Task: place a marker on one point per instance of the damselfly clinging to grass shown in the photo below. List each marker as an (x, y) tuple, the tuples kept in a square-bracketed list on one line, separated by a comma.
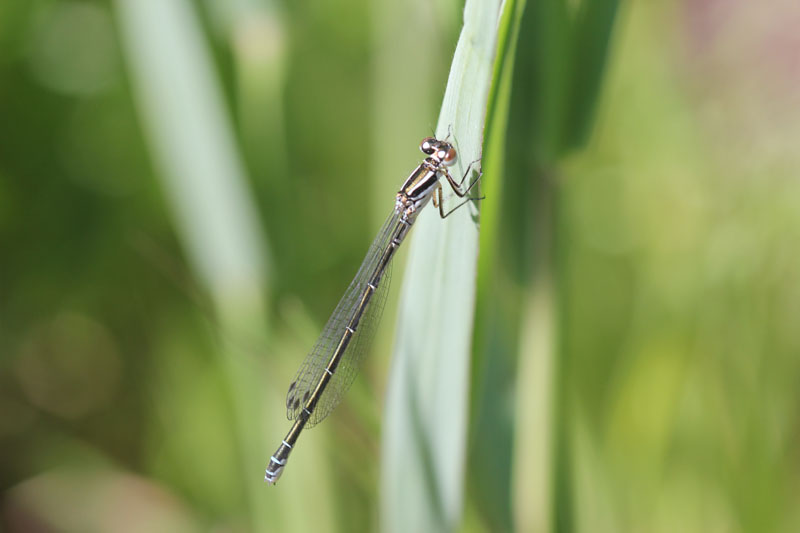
[(330, 368)]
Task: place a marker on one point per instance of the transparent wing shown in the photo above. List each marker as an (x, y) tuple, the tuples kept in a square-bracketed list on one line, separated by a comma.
[(314, 365)]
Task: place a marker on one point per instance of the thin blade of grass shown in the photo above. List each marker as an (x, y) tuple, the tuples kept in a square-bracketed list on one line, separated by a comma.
[(559, 65), (193, 145), (427, 407)]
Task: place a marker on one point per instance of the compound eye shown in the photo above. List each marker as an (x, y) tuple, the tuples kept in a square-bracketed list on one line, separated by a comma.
[(427, 145), (450, 157)]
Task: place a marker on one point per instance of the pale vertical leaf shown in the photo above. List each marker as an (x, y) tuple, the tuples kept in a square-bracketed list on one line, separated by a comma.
[(427, 407), (193, 144), (196, 157)]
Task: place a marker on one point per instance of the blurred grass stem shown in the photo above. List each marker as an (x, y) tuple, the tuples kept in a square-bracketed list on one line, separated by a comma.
[(427, 407), (194, 149)]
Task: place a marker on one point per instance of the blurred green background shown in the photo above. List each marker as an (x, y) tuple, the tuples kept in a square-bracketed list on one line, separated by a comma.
[(186, 189)]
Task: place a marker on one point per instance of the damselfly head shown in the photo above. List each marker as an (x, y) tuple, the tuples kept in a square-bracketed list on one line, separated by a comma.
[(428, 145), (448, 155), (440, 150)]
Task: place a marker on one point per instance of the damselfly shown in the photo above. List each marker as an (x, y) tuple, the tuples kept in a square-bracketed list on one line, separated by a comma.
[(331, 367)]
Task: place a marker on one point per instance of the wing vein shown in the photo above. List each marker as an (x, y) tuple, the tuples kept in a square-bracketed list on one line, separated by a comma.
[(317, 360)]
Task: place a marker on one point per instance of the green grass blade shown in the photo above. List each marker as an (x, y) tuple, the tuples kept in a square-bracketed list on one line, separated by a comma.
[(191, 138), (494, 360), (424, 444), (591, 41), (193, 144), (559, 65)]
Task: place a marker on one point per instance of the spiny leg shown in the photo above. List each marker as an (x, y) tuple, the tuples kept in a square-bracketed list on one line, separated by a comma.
[(442, 214), (469, 169), (457, 186), (437, 191), (445, 215), (438, 200)]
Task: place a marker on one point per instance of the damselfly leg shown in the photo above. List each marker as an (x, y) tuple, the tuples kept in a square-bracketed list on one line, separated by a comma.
[(438, 196)]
